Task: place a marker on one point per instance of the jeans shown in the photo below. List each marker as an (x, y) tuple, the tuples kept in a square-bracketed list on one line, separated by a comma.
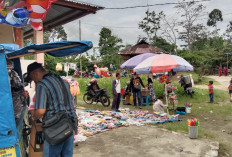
[(64, 149), (138, 94), (211, 96)]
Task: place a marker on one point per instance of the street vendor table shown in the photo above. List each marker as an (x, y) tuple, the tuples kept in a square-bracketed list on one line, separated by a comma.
[(34, 151), (146, 100)]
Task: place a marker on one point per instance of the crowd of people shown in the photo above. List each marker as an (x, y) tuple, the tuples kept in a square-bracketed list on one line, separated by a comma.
[(135, 86), (222, 70), (54, 97)]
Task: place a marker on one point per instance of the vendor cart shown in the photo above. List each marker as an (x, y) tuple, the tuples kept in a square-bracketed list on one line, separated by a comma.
[(11, 135)]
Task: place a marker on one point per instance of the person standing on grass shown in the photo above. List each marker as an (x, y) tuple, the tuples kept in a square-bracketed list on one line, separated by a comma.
[(230, 90), (225, 70), (211, 91), (116, 88), (220, 71), (136, 83)]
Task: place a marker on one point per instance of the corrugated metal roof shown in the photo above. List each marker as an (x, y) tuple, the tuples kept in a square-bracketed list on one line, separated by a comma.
[(84, 3), (62, 12)]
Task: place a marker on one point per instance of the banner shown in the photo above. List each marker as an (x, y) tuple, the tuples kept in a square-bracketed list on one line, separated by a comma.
[(58, 67), (66, 67)]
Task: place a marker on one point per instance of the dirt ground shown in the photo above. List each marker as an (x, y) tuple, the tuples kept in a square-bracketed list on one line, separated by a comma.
[(223, 80), (149, 141), (144, 141)]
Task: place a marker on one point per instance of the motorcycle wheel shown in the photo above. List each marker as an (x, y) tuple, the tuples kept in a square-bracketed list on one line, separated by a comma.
[(88, 99), (105, 101), (191, 94)]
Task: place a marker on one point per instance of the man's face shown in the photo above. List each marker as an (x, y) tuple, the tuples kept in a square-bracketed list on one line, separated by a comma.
[(119, 76), (35, 76)]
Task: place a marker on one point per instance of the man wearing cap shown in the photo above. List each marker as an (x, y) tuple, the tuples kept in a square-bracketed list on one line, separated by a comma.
[(49, 94)]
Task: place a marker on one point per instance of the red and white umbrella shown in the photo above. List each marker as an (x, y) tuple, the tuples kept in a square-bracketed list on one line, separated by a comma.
[(163, 63)]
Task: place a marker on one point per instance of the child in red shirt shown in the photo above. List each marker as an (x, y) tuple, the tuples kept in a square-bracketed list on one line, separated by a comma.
[(230, 90), (211, 91)]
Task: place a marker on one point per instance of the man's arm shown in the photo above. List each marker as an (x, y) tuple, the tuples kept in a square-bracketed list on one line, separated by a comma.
[(39, 113), (141, 82), (113, 87), (40, 101)]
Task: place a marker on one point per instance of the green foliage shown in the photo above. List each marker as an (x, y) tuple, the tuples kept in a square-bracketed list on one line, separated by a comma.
[(205, 61), (205, 43), (214, 17), (112, 59), (108, 43), (85, 63), (57, 32), (151, 24), (163, 44)]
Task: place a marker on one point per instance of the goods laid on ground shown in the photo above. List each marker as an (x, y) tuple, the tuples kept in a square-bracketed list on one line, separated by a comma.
[(92, 122)]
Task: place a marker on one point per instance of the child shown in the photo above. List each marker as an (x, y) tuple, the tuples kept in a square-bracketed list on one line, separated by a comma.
[(211, 91), (230, 90), (158, 106), (152, 92)]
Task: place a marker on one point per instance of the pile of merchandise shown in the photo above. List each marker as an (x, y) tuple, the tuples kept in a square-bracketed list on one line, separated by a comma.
[(92, 122)]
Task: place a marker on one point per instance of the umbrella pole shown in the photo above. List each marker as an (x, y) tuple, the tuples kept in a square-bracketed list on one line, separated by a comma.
[(166, 96)]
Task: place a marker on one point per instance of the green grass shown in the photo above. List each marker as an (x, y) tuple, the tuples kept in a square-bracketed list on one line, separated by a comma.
[(202, 110), (201, 80)]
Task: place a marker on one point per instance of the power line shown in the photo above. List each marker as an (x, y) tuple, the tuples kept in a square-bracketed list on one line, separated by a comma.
[(110, 26), (133, 27), (150, 5)]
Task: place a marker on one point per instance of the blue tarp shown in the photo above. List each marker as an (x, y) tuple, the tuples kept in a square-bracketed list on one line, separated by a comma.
[(8, 132), (82, 47), (7, 120)]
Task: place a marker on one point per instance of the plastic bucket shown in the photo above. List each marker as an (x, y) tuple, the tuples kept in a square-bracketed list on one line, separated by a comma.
[(193, 131), (188, 109)]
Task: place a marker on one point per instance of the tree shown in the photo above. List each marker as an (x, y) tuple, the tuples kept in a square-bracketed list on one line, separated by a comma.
[(56, 33), (228, 33), (108, 43), (214, 16), (164, 45), (169, 31), (190, 12), (151, 24)]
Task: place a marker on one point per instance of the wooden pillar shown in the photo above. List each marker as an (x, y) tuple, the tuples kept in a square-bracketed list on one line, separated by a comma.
[(38, 39), (18, 36)]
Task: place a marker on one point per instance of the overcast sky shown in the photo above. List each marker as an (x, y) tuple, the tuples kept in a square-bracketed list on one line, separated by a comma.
[(116, 19)]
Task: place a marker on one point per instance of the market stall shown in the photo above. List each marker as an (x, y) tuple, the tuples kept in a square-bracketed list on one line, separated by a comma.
[(11, 127), (164, 63)]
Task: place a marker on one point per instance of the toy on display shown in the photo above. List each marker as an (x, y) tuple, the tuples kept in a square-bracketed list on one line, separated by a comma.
[(16, 15), (188, 105), (38, 11), (164, 78), (100, 72)]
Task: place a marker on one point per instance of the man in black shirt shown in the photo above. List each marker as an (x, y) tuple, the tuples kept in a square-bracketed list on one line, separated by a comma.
[(135, 84)]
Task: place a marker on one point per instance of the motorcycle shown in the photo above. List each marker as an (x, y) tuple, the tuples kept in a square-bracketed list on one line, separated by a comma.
[(185, 82), (100, 95)]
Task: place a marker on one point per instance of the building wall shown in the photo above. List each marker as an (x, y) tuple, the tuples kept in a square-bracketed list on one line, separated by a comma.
[(6, 34)]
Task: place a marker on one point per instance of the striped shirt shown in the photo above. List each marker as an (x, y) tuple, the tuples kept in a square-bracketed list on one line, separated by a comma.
[(50, 96)]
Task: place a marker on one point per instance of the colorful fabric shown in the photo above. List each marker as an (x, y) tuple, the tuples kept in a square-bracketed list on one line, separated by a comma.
[(92, 122)]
